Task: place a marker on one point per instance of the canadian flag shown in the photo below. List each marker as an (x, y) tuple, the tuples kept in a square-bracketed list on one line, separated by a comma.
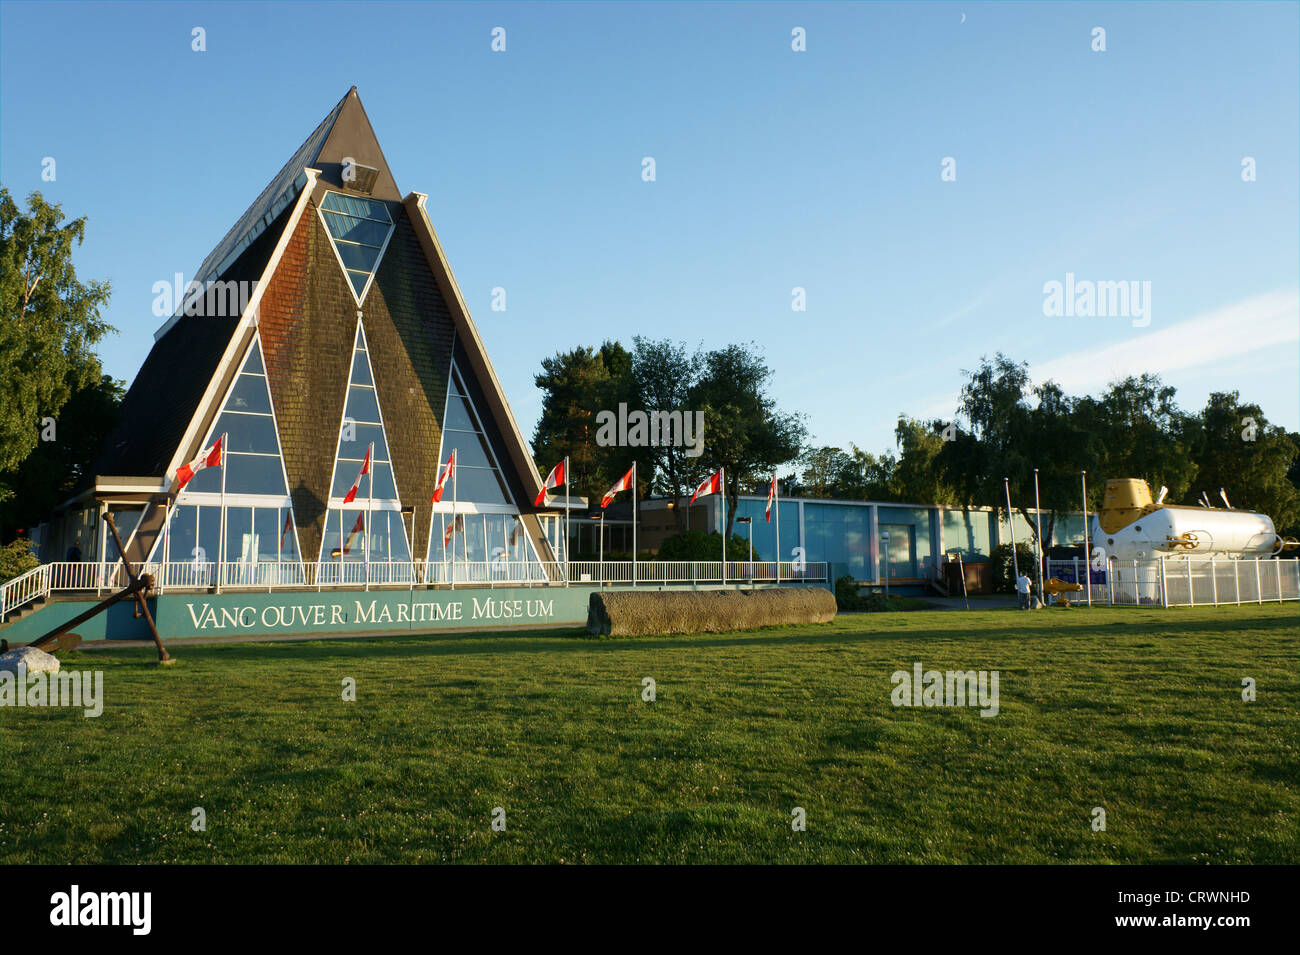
[(554, 479), (208, 458), (623, 484), (771, 495), (457, 525), (710, 485), (357, 528), (365, 469), (443, 476)]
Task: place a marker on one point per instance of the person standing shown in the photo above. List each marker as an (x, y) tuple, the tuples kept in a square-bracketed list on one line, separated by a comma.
[(1022, 591), (74, 552)]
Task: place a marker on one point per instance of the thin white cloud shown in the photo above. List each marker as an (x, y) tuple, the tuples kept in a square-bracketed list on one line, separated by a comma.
[(1255, 324)]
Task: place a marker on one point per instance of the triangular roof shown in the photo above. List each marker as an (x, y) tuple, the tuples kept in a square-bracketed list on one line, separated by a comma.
[(179, 387), (344, 134)]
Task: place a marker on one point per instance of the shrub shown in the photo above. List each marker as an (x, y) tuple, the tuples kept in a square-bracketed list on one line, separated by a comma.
[(16, 558), (1004, 578), (697, 545), (645, 613), (846, 593)]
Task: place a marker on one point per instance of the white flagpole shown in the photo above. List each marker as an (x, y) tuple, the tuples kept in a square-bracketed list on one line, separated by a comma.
[(776, 506), (1011, 523), (428, 544), (634, 509), (566, 520), (221, 544), (454, 469), (370, 497), (1038, 522), (722, 484), (1087, 546)]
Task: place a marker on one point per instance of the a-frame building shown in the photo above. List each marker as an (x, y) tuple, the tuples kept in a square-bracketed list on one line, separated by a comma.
[(348, 332)]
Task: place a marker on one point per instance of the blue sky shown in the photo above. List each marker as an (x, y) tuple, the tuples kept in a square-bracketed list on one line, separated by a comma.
[(775, 169)]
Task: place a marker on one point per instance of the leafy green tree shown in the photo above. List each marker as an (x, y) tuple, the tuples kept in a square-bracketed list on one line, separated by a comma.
[(823, 469), (662, 374), (744, 431), (51, 322), (1135, 429), (918, 476), (1235, 449), (57, 468), (576, 385), (866, 477), (1015, 429)]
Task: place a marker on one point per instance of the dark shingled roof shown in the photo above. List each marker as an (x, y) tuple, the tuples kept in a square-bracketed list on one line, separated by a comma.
[(170, 384), (188, 349)]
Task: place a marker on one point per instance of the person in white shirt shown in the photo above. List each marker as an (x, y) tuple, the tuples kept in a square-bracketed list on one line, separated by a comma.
[(1022, 591)]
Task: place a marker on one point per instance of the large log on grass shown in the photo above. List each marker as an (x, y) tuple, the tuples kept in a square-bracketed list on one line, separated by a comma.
[(614, 613)]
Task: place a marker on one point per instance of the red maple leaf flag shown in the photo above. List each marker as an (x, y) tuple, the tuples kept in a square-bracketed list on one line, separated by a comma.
[(208, 458), (710, 485), (365, 469), (771, 495), (457, 525), (554, 479), (442, 477), (623, 484), (357, 528)]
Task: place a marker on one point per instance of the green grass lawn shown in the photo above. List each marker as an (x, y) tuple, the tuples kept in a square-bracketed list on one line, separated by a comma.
[(1137, 711)]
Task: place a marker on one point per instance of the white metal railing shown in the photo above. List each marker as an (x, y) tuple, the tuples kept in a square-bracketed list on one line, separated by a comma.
[(1184, 581), (23, 589), (86, 576)]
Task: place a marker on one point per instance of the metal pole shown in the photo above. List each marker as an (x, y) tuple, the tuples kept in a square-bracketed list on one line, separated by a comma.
[(370, 496), (722, 481), (566, 520), (776, 505), (602, 548), (961, 569), (428, 544), (221, 525), (1087, 540), (1011, 524), (452, 574), (885, 537), (633, 524), (1038, 534)]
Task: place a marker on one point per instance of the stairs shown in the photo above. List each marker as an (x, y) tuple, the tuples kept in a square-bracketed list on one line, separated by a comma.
[(26, 610)]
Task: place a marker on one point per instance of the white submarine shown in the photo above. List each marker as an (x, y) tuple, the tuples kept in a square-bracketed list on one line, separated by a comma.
[(1132, 526)]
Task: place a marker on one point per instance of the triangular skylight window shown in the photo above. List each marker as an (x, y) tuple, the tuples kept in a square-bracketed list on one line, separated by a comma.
[(259, 522), (478, 475), (360, 228), (253, 463), (490, 542), (376, 502)]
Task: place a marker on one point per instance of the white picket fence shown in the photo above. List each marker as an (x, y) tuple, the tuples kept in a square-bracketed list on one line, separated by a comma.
[(103, 578), (1182, 581)]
